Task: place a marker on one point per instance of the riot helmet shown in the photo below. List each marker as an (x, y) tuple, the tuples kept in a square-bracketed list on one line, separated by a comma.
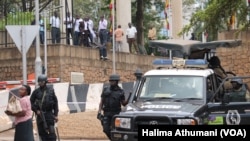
[(214, 62), (114, 77), (237, 83), (42, 78), (237, 80)]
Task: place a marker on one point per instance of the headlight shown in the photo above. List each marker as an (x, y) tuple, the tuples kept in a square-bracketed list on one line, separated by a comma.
[(123, 123), (186, 122), (129, 108)]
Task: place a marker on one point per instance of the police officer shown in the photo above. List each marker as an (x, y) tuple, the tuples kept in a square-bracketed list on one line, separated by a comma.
[(240, 92), (215, 64), (112, 98), (45, 105)]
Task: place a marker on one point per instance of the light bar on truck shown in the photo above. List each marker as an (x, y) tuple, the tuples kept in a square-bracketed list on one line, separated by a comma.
[(180, 63)]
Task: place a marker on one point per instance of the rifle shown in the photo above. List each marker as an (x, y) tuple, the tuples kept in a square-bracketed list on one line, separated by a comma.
[(45, 125), (130, 93)]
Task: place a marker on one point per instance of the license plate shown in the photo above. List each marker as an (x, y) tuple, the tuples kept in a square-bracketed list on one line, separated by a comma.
[(117, 135)]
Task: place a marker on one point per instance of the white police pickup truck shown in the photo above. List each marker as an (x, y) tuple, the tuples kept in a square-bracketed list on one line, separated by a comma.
[(178, 92)]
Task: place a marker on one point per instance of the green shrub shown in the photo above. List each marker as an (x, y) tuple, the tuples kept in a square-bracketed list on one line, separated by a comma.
[(18, 18)]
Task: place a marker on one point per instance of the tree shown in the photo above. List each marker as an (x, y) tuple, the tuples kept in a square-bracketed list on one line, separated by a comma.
[(217, 16), (139, 23), (8, 5), (143, 16), (188, 2)]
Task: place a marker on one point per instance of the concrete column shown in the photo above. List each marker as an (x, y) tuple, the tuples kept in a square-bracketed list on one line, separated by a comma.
[(123, 17), (176, 24)]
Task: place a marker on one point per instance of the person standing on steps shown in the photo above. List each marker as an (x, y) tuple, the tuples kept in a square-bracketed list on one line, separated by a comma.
[(103, 35), (131, 34), (118, 38), (55, 28), (69, 31)]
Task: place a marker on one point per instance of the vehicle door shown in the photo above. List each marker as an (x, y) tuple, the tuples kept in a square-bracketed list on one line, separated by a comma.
[(224, 112)]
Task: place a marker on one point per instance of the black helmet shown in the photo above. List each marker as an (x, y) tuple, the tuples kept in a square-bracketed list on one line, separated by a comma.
[(42, 77), (114, 77), (237, 80), (214, 61)]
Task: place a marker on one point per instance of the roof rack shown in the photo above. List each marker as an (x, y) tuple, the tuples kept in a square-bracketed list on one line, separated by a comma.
[(180, 63)]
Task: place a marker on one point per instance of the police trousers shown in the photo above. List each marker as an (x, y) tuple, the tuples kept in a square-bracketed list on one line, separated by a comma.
[(43, 133), (106, 122)]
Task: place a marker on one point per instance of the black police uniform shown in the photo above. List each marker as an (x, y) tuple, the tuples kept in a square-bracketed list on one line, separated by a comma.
[(47, 104), (112, 98)]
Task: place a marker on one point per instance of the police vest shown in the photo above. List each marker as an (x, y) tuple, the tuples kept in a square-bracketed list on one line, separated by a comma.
[(238, 96), (47, 102), (112, 99)]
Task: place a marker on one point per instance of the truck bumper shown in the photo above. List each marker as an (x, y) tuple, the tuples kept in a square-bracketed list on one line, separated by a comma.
[(124, 136)]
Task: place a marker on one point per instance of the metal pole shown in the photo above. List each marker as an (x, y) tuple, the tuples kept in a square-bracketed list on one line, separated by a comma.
[(38, 61), (113, 36), (203, 36), (23, 47), (66, 18), (45, 44), (170, 54), (170, 19), (45, 38), (248, 10)]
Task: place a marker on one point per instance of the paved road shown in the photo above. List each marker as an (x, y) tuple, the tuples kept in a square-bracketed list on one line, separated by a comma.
[(8, 136)]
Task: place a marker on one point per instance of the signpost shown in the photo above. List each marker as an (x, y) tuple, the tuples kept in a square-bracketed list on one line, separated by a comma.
[(23, 36), (38, 61)]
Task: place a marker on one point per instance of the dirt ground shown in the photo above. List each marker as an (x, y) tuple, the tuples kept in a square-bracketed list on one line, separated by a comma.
[(83, 125), (75, 126)]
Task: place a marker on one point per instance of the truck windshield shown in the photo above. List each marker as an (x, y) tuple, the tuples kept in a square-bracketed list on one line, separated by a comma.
[(172, 87)]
